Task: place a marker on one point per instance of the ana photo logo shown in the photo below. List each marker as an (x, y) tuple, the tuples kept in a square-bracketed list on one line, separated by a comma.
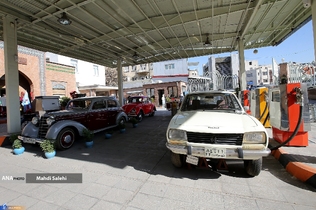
[(12, 178), (6, 207)]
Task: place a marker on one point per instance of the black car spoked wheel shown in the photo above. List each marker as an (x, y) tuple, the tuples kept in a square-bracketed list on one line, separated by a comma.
[(65, 138), (121, 121)]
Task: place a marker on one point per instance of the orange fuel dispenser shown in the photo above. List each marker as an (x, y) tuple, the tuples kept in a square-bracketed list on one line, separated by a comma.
[(286, 101), (245, 100)]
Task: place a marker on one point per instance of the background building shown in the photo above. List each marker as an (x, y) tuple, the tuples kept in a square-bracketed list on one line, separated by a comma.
[(173, 70), (89, 77), (223, 71), (166, 78), (37, 76)]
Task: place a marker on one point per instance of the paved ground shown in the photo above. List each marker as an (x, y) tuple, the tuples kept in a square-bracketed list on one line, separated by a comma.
[(133, 171)]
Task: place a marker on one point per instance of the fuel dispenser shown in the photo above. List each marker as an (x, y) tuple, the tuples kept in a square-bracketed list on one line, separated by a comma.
[(259, 105), (245, 100), (288, 115)]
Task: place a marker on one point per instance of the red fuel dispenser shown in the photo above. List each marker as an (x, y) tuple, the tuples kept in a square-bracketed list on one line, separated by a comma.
[(245, 100), (287, 114)]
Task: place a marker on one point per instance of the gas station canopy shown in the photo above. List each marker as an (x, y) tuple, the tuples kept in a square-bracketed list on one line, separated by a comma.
[(145, 31)]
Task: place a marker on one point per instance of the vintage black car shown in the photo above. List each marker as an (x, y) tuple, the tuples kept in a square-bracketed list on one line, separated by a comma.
[(65, 126)]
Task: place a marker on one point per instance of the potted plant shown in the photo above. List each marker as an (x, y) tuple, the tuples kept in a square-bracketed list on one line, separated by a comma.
[(88, 137), (108, 134), (48, 147), (17, 147), (64, 101), (134, 121)]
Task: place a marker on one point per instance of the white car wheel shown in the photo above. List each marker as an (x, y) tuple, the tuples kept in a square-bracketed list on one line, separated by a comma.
[(253, 167), (177, 160)]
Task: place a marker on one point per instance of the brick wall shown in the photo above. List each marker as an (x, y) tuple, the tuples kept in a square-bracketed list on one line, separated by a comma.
[(60, 75), (29, 68)]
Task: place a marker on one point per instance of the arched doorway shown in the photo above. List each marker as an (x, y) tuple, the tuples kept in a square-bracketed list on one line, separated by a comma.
[(24, 82)]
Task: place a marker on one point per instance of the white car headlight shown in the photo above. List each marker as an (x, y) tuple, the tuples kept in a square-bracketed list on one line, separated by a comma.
[(50, 120), (254, 138), (175, 134), (35, 120)]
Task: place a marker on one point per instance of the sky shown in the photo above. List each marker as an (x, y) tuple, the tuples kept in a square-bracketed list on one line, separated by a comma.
[(299, 47)]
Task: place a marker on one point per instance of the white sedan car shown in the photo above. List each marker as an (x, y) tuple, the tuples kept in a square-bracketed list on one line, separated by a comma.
[(213, 125)]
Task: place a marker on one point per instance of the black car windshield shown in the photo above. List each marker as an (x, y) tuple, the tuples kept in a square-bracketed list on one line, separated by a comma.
[(210, 101), (79, 104), (135, 100)]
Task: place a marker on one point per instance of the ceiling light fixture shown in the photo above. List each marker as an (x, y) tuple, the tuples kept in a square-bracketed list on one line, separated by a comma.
[(64, 20), (135, 56), (207, 42)]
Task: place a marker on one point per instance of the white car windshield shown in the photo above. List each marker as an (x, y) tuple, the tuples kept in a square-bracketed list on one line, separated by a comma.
[(210, 101)]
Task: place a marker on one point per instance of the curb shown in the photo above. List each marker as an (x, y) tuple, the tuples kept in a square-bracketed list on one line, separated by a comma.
[(301, 171), (4, 141)]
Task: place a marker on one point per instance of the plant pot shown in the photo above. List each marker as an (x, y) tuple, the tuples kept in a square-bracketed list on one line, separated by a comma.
[(108, 135), (122, 130), (135, 125), (50, 155), (89, 144), (19, 151)]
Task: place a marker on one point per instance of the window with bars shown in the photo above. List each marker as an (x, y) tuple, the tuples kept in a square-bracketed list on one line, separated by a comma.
[(173, 91), (96, 70), (169, 66), (150, 92)]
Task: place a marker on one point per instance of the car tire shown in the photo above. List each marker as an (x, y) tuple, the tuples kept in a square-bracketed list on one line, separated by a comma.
[(140, 116), (152, 113), (65, 139), (121, 121), (177, 160), (253, 167)]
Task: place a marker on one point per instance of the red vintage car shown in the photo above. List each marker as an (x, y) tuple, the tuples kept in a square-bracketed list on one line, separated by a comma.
[(138, 107)]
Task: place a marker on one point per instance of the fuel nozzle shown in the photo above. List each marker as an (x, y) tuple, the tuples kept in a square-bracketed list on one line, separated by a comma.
[(266, 96), (299, 95)]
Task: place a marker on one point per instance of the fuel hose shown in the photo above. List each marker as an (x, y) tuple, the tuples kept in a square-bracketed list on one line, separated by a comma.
[(294, 133), (264, 111)]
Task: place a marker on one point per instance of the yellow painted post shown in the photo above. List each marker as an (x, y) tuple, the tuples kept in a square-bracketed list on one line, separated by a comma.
[(264, 107)]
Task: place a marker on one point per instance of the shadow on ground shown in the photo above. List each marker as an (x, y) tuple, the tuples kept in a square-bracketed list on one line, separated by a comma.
[(143, 148)]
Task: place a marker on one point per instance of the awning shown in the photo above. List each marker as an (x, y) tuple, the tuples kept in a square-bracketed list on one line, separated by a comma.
[(135, 91)]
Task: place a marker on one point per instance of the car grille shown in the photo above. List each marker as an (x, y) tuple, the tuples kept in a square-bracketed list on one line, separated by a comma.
[(43, 127), (211, 138)]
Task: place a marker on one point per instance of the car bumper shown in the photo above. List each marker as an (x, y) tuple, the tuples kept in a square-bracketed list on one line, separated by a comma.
[(231, 153), (132, 115), (30, 140)]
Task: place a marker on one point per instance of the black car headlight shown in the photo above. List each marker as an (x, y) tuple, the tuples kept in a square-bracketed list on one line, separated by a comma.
[(35, 120), (50, 120)]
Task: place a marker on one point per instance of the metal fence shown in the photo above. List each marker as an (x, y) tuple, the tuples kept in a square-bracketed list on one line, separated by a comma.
[(312, 111), (304, 73), (207, 83)]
